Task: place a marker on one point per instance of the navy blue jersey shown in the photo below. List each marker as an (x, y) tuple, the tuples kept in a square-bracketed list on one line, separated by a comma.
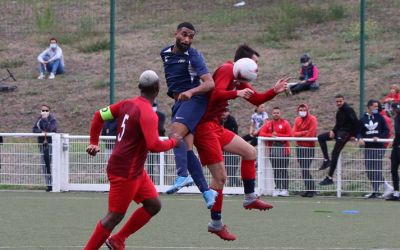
[(182, 71)]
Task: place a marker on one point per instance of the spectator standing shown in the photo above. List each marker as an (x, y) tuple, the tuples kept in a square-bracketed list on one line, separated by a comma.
[(279, 150), (308, 76), (373, 126), (346, 126), (305, 125), (109, 129), (258, 119), (231, 161), (395, 155), (51, 60), (46, 123)]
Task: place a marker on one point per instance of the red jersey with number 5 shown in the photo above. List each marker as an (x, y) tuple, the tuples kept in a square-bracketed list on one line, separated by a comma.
[(137, 133)]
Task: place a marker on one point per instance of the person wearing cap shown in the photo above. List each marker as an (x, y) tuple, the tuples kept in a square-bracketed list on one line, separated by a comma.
[(137, 134), (45, 123), (308, 76), (188, 81), (305, 125)]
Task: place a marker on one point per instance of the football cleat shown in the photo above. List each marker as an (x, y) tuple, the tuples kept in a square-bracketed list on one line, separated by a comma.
[(256, 204)]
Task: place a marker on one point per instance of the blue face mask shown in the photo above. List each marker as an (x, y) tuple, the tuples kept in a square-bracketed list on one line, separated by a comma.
[(374, 111)]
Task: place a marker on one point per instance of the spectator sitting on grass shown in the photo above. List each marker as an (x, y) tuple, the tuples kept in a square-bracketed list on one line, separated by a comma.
[(51, 60)]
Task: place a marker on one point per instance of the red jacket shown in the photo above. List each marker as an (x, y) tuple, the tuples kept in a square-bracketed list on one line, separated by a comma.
[(389, 125), (281, 128), (305, 127)]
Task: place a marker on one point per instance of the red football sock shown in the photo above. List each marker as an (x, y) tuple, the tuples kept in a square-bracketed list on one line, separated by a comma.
[(137, 220), (248, 169), (217, 207), (99, 236)]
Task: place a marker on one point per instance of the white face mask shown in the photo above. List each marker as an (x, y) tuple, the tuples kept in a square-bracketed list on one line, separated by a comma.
[(53, 46), (45, 114), (302, 113), (154, 109)]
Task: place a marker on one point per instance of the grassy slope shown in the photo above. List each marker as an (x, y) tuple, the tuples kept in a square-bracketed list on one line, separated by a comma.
[(144, 27)]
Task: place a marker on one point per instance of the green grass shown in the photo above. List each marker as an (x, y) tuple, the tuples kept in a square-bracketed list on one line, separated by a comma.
[(39, 220), (95, 46)]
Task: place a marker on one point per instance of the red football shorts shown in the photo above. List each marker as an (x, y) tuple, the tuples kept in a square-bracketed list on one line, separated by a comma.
[(209, 139), (123, 191)]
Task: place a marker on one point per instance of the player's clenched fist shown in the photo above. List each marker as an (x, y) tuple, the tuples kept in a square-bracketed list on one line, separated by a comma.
[(92, 149)]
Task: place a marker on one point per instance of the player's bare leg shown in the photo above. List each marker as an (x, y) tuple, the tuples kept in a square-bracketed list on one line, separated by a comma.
[(138, 219), (248, 170)]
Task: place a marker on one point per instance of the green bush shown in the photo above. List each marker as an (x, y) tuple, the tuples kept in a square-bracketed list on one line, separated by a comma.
[(45, 21)]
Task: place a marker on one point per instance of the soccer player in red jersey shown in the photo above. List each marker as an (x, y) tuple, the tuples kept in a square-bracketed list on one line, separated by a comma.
[(137, 134), (211, 139)]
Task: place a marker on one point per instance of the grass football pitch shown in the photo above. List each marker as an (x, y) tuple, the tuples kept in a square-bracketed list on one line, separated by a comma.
[(39, 220)]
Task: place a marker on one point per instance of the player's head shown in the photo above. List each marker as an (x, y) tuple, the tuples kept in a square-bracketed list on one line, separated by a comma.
[(245, 51), (305, 59), (149, 84), (184, 36), (373, 106), (339, 99), (276, 113)]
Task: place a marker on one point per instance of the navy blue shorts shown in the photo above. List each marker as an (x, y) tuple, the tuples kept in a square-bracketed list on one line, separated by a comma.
[(190, 112)]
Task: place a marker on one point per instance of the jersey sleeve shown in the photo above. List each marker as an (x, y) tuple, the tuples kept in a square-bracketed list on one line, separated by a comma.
[(105, 114), (258, 98), (198, 63), (149, 124), (315, 75)]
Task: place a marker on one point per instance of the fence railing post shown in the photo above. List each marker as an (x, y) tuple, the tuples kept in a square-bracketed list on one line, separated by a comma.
[(261, 167), (162, 168), (56, 162), (65, 162), (339, 177)]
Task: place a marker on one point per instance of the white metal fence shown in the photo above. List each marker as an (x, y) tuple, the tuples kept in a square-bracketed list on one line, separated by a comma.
[(74, 170)]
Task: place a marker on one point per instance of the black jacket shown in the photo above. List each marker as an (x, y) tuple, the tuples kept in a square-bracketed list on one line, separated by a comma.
[(230, 124), (48, 125), (373, 126), (346, 120)]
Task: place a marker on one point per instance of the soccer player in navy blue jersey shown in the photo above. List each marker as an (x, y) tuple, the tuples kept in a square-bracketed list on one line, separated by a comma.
[(188, 81)]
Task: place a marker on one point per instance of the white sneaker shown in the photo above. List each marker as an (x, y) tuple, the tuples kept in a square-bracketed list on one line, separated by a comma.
[(41, 76), (388, 189), (276, 193), (52, 76), (284, 193)]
